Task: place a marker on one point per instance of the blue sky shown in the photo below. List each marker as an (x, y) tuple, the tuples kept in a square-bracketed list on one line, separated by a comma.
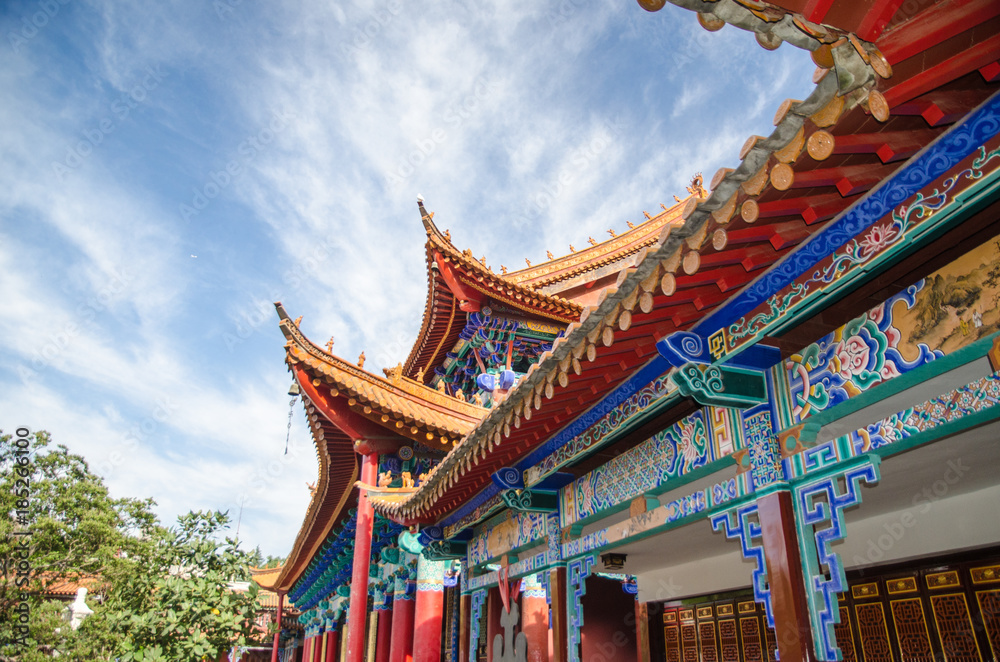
[(169, 169)]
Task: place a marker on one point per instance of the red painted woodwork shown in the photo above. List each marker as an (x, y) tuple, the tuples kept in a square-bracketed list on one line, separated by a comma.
[(877, 18), (608, 632), (367, 435), (848, 179), (890, 146), (493, 606), (946, 71), (469, 300), (535, 626), (277, 632), (784, 576), (317, 652), (383, 635), (991, 72), (942, 106), (642, 632), (357, 613), (332, 644), (935, 25), (560, 641), (815, 10), (401, 646), (465, 613), (427, 618)]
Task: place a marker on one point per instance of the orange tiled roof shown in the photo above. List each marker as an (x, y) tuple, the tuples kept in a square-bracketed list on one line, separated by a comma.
[(397, 403)]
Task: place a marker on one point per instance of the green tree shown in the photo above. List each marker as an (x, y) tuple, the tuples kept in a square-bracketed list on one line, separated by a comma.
[(74, 529), (160, 594), (176, 599)]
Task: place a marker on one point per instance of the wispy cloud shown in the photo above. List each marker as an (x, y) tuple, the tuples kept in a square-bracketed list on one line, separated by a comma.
[(153, 210)]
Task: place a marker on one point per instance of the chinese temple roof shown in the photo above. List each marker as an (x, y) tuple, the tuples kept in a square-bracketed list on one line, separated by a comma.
[(874, 106), (400, 406)]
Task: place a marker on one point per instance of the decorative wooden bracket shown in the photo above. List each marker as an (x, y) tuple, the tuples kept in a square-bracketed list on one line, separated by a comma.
[(519, 498), (446, 550), (722, 385), (531, 501)]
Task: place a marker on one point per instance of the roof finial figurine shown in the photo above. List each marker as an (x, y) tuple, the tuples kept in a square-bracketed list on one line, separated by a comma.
[(420, 375), (663, 207), (447, 234), (697, 187), (571, 249), (646, 214), (459, 395), (329, 345), (527, 261), (548, 254), (612, 232), (591, 241), (631, 225), (441, 386), (361, 360), (312, 488), (482, 260), (298, 320), (676, 199), (503, 269)]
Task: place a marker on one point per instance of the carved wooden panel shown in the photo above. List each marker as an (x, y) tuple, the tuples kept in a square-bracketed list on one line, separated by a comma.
[(911, 630), (874, 634), (954, 626)]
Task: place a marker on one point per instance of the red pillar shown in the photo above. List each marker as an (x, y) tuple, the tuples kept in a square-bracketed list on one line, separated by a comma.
[(535, 620), (357, 613), (494, 604), (465, 609), (318, 651), (277, 633), (429, 611), (383, 635), (401, 646), (560, 633), (332, 643), (642, 632), (785, 578)]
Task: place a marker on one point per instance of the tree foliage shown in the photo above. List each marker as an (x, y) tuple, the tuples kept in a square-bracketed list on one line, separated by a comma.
[(157, 593)]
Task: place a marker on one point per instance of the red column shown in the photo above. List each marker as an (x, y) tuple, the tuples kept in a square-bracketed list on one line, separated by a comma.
[(383, 635), (535, 620), (785, 578), (357, 613), (642, 632), (318, 651), (465, 608), (277, 633), (429, 611), (332, 643), (494, 603), (401, 646), (560, 633)]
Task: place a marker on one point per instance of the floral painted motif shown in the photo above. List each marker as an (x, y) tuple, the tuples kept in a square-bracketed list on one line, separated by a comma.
[(864, 352), (673, 452)]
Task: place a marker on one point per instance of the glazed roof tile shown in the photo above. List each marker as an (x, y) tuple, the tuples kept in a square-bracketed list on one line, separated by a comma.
[(398, 397)]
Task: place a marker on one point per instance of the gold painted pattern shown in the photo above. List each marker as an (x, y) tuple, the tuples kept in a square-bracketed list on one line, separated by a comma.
[(911, 630), (986, 574), (901, 585), (954, 626), (942, 579), (865, 590)]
